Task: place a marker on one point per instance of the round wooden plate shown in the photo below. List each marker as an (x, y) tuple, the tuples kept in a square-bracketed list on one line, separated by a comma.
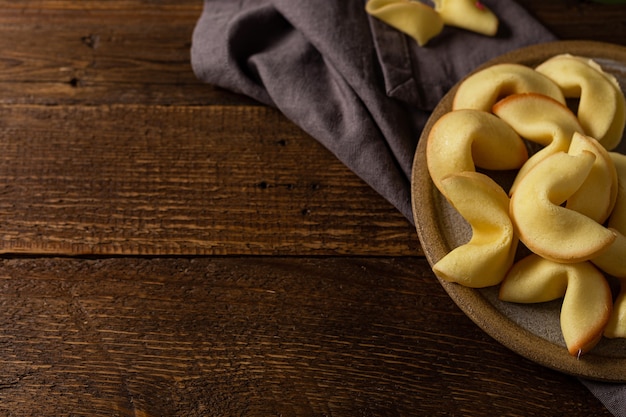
[(531, 330)]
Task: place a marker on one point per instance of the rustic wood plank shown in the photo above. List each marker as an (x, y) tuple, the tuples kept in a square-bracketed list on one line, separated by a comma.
[(86, 53), (580, 19), (83, 80), (182, 180), (65, 92), (56, 52), (70, 46), (256, 336), (144, 6)]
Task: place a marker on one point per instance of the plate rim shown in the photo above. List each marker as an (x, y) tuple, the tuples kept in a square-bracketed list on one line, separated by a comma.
[(471, 301)]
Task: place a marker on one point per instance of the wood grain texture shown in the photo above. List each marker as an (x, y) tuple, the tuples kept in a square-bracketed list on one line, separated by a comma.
[(255, 337), (92, 93), (233, 266), (182, 180), (580, 19), (56, 52)]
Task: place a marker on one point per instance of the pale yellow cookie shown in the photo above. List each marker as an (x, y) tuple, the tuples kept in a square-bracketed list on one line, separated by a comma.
[(548, 229), (468, 14), (587, 300), (484, 88), (418, 20), (616, 327), (461, 140), (602, 108), (613, 259), (618, 216), (597, 195), (484, 260), (541, 120)]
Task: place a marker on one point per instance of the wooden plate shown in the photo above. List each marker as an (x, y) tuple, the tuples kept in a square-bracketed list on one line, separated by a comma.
[(531, 330)]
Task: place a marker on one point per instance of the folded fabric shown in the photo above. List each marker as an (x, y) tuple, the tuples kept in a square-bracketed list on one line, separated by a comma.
[(613, 396), (360, 87)]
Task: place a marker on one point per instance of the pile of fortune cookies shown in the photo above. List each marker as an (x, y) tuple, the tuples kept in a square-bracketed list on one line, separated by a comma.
[(559, 231)]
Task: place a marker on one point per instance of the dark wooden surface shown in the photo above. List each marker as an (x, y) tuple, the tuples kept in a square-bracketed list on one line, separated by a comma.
[(172, 249)]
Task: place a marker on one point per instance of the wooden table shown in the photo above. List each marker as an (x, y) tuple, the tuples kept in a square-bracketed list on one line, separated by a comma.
[(172, 249)]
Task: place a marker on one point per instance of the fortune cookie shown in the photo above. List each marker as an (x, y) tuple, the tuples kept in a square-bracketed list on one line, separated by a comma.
[(601, 109), (465, 139), (541, 120), (485, 259), (484, 88), (418, 20), (597, 195), (543, 225), (613, 260), (468, 14), (616, 327), (587, 300), (617, 219)]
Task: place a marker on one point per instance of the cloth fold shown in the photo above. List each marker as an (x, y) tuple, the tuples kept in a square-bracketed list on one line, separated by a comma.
[(359, 87), (612, 396), (315, 62)]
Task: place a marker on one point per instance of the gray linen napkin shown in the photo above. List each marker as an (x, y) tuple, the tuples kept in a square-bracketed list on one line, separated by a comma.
[(613, 396), (361, 88)]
